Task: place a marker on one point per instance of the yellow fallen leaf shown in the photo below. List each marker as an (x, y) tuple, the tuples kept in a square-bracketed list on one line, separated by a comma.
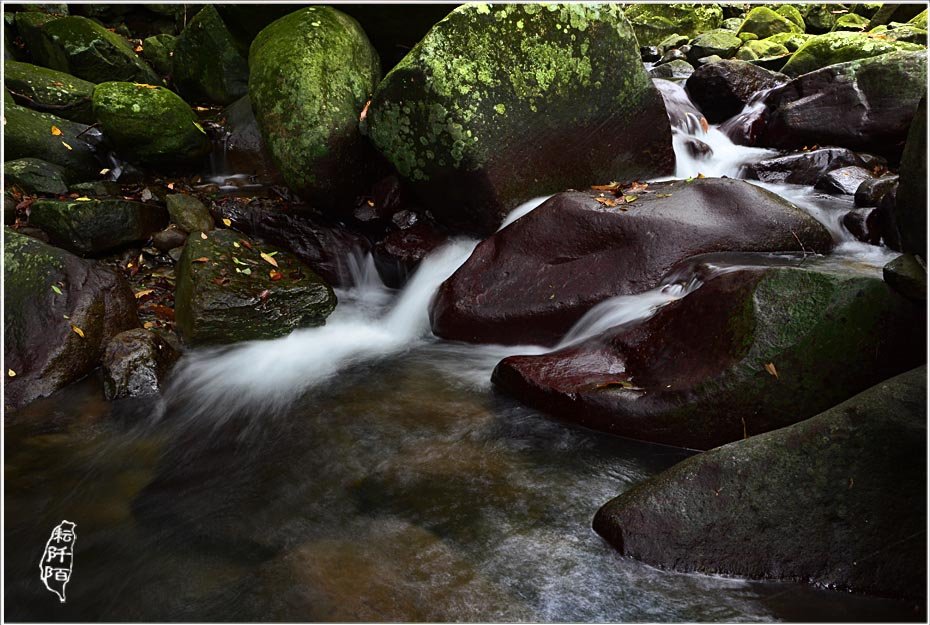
[(770, 367), (148, 324), (66, 145), (56, 130), (236, 244), (203, 235), (202, 259), (144, 292), (228, 223), (268, 259), (77, 330), (144, 85), (82, 199), (104, 171), (11, 373)]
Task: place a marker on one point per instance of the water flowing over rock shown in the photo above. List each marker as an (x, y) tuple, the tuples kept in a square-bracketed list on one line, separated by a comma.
[(499, 104), (207, 64), (750, 351), (532, 280), (48, 293), (837, 500), (47, 90), (723, 89), (311, 74)]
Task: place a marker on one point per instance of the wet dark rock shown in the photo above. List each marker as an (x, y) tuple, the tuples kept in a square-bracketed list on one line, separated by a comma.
[(907, 274), (404, 219), (27, 133), (750, 351), (324, 248), (865, 224), (864, 105), (40, 345), (698, 149), (219, 300), (649, 54), (531, 281), (97, 188), (804, 167), (207, 64), (399, 253), (96, 226), (910, 210), (36, 176), (678, 69), (844, 181), (837, 500), (500, 135), (170, 238), (135, 364), (47, 90), (721, 90), (841, 47), (158, 50), (871, 191), (189, 213), (745, 128), (243, 149), (671, 42), (675, 54), (895, 13)]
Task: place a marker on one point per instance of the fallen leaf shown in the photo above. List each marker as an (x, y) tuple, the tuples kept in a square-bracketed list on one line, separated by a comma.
[(637, 187), (66, 145), (148, 324), (663, 195), (137, 49), (236, 244), (228, 224), (200, 128), (203, 235), (171, 186), (268, 259), (82, 199), (629, 199), (144, 292), (56, 130), (104, 171), (245, 244), (220, 281), (704, 125), (770, 367), (364, 113), (700, 175), (77, 330), (245, 272), (143, 85), (620, 383), (275, 275), (162, 311), (56, 289), (11, 373), (202, 259), (606, 201), (613, 186), (264, 295)]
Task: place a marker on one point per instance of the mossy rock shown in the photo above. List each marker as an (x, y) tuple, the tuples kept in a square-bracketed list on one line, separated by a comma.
[(672, 41), (792, 41), (499, 104), (158, 50), (207, 64), (828, 501), (51, 91), (748, 37), (910, 211), (90, 226), (149, 125), (851, 21), (818, 18), (920, 20), (226, 292), (791, 13), (719, 42), (311, 73), (36, 176), (97, 188), (188, 213), (676, 70), (29, 133), (901, 32), (653, 22), (732, 23), (761, 49), (29, 26), (48, 292), (83, 48), (765, 22), (840, 47)]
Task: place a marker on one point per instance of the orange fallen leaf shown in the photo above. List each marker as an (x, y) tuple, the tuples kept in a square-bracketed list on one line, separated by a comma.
[(613, 186), (268, 259), (202, 259), (770, 367), (606, 201), (275, 275), (144, 292), (637, 187), (148, 324), (77, 330), (56, 130), (704, 125), (171, 186), (364, 113)]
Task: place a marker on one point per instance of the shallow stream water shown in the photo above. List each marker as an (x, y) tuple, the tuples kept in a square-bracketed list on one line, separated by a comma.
[(365, 470)]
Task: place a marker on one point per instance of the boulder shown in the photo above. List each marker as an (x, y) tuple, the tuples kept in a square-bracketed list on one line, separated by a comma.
[(189, 213), (498, 104), (721, 90), (897, 13), (244, 149), (158, 51), (29, 28), (36, 176), (765, 22), (838, 501), (803, 167), (719, 42), (676, 70), (85, 49), (791, 12), (207, 65), (228, 292), (87, 226), (818, 18), (149, 125), (170, 238), (46, 90), (399, 253), (394, 33), (135, 364), (871, 191), (865, 224), (764, 52), (907, 274), (901, 32), (311, 74), (844, 181), (841, 47), (750, 351), (919, 20), (865, 105), (531, 281), (671, 42), (30, 134), (654, 22), (852, 22), (60, 312), (910, 210)]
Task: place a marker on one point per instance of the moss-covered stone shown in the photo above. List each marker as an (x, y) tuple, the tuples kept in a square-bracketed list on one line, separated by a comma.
[(207, 64), (900, 32), (501, 103), (48, 292), (719, 42), (84, 48), (910, 211), (158, 50), (95, 226), (36, 176), (792, 41), (97, 188), (676, 70), (765, 22), (907, 274), (233, 296), (840, 47), (29, 26), (920, 20), (818, 18), (851, 21), (791, 13), (761, 49), (149, 125), (732, 23), (836, 500), (311, 73), (48, 90), (654, 22), (189, 213), (672, 41), (29, 133)]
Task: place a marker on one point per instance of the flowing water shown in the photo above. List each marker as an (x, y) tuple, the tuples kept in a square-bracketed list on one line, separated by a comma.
[(366, 470)]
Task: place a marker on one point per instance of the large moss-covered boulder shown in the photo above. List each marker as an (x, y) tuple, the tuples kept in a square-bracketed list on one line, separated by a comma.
[(47, 90), (851, 21), (750, 351), (792, 41), (499, 104), (919, 20), (158, 50), (838, 500), (654, 22), (720, 42), (83, 48), (228, 291), (87, 226), (36, 176), (910, 211), (31, 134), (761, 49), (765, 22), (207, 65), (311, 73), (149, 125), (60, 311), (901, 32), (840, 47)]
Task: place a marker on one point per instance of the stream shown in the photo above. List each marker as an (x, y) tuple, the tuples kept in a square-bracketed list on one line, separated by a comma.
[(366, 470)]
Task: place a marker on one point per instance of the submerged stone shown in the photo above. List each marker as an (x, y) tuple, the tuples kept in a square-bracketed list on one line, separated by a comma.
[(47, 90), (207, 65)]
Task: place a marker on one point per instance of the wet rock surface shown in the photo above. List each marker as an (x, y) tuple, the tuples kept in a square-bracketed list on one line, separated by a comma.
[(845, 180), (803, 167), (723, 89), (136, 363)]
